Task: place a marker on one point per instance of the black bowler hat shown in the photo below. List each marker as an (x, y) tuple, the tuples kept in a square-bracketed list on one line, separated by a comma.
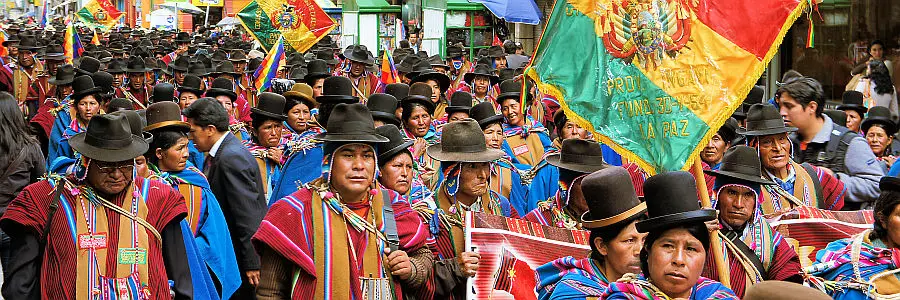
[(496, 52), (397, 142), (671, 199), (485, 114), (55, 52), (108, 138), (136, 123), (65, 74), (382, 107), (270, 105), (182, 38), (337, 89), (853, 100), (117, 104), (221, 87), (104, 80), (316, 69), (165, 114), (328, 56), (421, 67), (419, 93), (29, 43), (191, 84), (611, 198), (238, 56), (408, 64), (742, 163), (360, 54), (578, 155), (442, 79), (295, 59), (454, 51), (163, 91), (879, 115), (764, 119), (889, 183), (87, 66), (116, 66), (136, 65), (459, 102), (398, 90), (297, 74), (180, 64), (225, 67), (350, 123), (511, 89), (83, 86), (463, 141), (198, 69), (481, 70)]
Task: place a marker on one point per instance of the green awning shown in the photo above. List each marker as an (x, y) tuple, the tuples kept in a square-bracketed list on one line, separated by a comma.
[(463, 5), (370, 6)]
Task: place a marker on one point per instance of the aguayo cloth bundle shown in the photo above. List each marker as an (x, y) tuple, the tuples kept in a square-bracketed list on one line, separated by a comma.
[(810, 229)]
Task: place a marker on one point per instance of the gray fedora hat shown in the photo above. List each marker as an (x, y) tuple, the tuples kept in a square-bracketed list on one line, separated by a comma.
[(463, 141)]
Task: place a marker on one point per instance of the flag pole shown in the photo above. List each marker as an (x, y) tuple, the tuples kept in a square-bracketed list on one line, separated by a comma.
[(716, 245)]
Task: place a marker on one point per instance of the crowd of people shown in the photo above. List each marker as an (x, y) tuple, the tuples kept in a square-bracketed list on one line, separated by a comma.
[(151, 167)]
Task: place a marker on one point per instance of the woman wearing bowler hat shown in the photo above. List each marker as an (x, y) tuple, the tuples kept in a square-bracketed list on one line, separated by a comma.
[(85, 106), (397, 169), (879, 130), (267, 127), (676, 246), (299, 107)]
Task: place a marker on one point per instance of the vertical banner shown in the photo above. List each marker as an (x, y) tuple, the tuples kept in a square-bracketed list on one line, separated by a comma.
[(511, 249)]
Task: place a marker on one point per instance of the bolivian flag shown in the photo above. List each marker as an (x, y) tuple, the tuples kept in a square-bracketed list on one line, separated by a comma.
[(657, 78), (301, 22), (99, 13)]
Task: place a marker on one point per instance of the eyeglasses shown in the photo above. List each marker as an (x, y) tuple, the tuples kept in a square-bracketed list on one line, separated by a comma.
[(109, 168)]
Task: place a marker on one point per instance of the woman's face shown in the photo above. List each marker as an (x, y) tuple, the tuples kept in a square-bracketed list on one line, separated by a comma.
[(419, 121), (269, 133), (397, 173), (87, 108), (878, 140), (226, 103), (675, 262), (186, 99), (435, 90), (892, 222), (493, 135), (853, 119), (173, 159), (473, 178), (877, 51), (298, 117), (623, 253)]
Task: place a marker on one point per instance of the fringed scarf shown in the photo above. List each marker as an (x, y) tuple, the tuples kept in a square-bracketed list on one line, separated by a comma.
[(787, 193)]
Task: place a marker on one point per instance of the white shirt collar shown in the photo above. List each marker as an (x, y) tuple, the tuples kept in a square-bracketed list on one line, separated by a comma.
[(215, 147)]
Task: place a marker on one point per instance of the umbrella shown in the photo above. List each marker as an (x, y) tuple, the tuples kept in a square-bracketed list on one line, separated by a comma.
[(183, 6), (229, 21), (525, 11)]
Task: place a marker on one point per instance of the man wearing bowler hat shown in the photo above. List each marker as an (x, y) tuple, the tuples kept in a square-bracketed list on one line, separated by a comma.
[(796, 184), (365, 83), (754, 250), (101, 230), (366, 237), (26, 88)]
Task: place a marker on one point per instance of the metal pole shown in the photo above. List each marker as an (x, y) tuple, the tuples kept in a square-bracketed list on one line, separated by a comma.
[(206, 22)]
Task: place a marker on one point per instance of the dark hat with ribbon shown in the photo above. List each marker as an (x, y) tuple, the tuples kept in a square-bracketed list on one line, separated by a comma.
[(316, 69), (136, 122), (226, 68), (496, 52), (853, 100), (108, 138), (165, 114), (238, 56), (671, 199), (254, 64), (298, 74), (337, 89), (182, 37), (104, 80), (116, 47), (221, 87), (117, 104), (270, 105), (481, 70), (54, 52), (219, 56), (408, 64), (29, 42), (83, 86), (419, 93), (116, 66), (459, 102), (398, 90), (485, 114), (442, 79), (742, 163), (578, 155), (463, 141), (397, 142), (511, 89), (180, 64), (382, 107), (764, 119), (328, 56), (421, 67), (65, 74), (198, 69), (437, 61), (87, 65), (191, 84), (454, 51), (163, 91), (13, 39), (879, 115), (350, 123), (610, 197), (360, 54), (136, 65), (755, 96)]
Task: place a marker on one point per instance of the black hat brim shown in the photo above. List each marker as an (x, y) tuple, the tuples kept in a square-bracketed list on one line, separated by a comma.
[(387, 117), (336, 99), (488, 155), (268, 114), (314, 76), (386, 155), (739, 176), (453, 109), (85, 93), (859, 108), (137, 148), (66, 81), (197, 92), (555, 160), (215, 92), (672, 220), (868, 122), (441, 78), (744, 131), (351, 138), (144, 70), (471, 76), (490, 120)]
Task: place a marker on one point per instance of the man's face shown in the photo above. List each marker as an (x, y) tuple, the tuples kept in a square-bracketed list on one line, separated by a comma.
[(357, 69), (50, 66), (26, 58), (186, 99), (500, 62), (13, 50), (457, 116), (118, 78), (202, 136), (481, 84), (510, 109), (240, 67), (572, 131), (353, 169), (136, 80), (736, 204), (110, 178), (714, 150), (795, 114), (473, 178), (413, 39), (774, 151), (853, 119), (179, 77)]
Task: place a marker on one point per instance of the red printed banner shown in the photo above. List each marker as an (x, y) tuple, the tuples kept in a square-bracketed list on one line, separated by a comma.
[(510, 251)]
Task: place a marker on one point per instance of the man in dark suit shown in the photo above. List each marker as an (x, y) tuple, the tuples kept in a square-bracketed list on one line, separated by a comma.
[(235, 180)]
